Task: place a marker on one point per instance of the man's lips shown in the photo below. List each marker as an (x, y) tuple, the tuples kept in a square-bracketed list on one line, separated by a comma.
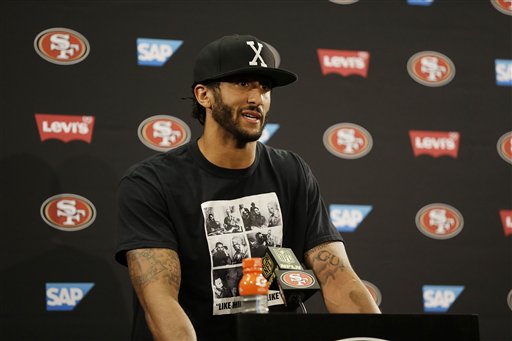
[(252, 115)]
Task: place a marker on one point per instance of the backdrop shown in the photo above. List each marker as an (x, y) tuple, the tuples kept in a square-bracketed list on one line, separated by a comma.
[(402, 109)]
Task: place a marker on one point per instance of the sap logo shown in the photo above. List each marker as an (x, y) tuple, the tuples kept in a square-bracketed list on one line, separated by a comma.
[(155, 52), (268, 132), (420, 2), (65, 296), (504, 72), (439, 298), (346, 218)]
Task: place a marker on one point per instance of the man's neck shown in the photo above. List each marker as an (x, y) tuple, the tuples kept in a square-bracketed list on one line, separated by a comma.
[(226, 152)]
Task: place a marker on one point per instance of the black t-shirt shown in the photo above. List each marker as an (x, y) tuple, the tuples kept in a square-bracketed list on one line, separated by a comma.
[(172, 200)]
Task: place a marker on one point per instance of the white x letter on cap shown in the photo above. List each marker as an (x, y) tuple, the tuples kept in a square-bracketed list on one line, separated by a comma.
[(257, 55)]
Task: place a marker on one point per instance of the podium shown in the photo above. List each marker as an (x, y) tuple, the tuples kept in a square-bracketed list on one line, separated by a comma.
[(356, 327)]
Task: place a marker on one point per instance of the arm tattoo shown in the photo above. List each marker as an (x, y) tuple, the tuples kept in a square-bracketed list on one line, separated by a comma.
[(149, 265), (325, 262)]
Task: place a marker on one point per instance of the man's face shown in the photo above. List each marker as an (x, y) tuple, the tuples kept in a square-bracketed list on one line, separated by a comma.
[(218, 283), (236, 245), (241, 108)]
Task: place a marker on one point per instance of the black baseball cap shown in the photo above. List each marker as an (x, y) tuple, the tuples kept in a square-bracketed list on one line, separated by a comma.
[(239, 55)]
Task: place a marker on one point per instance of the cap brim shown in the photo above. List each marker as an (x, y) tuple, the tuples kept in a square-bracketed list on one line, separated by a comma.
[(278, 77)]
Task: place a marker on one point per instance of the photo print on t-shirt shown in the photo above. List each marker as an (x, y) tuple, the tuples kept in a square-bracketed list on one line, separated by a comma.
[(237, 229)]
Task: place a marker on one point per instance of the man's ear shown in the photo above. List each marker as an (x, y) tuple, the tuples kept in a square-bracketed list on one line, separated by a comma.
[(203, 95)]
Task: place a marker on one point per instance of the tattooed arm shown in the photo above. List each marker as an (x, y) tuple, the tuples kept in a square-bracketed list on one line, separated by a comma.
[(156, 277), (342, 289)]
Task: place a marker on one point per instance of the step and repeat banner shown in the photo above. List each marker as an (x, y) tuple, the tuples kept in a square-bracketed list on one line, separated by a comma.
[(403, 109)]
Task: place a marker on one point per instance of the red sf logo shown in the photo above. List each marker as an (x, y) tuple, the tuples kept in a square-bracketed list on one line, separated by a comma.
[(504, 6), (439, 221), (506, 220), (163, 133), (61, 46), (431, 68), (505, 147), (68, 212), (347, 140), (297, 279), (374, 292)]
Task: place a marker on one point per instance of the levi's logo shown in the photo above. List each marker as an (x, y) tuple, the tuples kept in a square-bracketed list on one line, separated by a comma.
[(345, 63), (435, 143), (65, 127), (506, 220)]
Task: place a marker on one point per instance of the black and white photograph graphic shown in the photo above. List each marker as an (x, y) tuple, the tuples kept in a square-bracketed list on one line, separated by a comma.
[(240, 249), (225, 282), (221, 252), (259, 240)]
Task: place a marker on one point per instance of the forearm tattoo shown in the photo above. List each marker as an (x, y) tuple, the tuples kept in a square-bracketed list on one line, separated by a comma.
[(326, 263), (149, 265)]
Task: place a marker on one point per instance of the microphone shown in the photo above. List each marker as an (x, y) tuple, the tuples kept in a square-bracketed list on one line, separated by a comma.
[(283, 271)]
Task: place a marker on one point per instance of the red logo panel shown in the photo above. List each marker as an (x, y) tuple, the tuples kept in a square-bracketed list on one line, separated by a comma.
[(345, 63), (431, 68), (68, 212), (435, 143), (61, 46), (348, 140), (65, 127), (163, 133), (439, 221)]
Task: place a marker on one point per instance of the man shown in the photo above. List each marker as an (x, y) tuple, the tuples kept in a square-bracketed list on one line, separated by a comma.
[(163, 200), (220, 255)]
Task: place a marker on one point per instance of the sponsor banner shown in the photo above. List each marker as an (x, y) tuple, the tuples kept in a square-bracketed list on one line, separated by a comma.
[(61, 46), (344, 63), (65, 296), (347, 218), (374, 291), (431, 68), (504, 6), (163, 132), (509, 299), (269, 130), (506, 220), (503, 72), (344, 2), (439, 221), (347, 141), (420, 2), (505, 147), (439, 298), (156, 52), (65, 127), (68, 212), (435, 143)]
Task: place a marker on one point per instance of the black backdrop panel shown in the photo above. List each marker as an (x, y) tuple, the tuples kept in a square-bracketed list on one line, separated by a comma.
[(46, 270)]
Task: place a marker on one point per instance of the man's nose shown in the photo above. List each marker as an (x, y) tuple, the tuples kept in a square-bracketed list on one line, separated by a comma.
[(255, 96)]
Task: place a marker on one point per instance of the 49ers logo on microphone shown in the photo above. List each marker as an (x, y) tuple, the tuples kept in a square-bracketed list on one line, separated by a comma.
[(65, 127), (61, 46), (504, 6), (297, 279), (439, 221), (163, 133), (435, 143), (68, 212), (431, 68), (347, 140), (344, 63), (505, 147)]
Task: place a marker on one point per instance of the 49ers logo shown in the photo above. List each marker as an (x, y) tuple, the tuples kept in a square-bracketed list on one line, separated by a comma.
[(61, 46), (504, 6), (505, 147), (348, 140), (439, 221), (163, 133), (374, 292), (431, 68), (297, 279), (68, 212)]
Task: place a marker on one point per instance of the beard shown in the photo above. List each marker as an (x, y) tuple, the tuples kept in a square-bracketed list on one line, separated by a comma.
[(223, 115)]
